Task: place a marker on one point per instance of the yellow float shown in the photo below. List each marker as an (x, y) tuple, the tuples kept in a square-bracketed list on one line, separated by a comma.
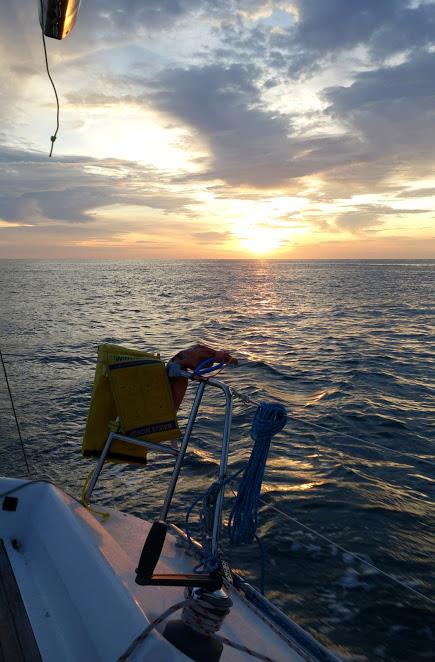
[(131, 395)]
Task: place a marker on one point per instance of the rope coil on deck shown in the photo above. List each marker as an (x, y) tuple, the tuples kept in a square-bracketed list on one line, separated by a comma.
[(204, 612)]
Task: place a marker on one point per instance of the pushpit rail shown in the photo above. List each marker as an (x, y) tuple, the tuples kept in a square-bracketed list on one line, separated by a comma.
[(204, 380)]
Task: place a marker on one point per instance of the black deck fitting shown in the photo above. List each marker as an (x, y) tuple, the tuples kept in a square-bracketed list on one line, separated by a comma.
[(150, 555), (10, 503)]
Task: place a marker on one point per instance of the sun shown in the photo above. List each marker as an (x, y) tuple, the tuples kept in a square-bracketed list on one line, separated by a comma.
[(260, 240)]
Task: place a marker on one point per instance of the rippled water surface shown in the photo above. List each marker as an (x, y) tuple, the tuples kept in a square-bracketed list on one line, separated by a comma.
[(344, 345)]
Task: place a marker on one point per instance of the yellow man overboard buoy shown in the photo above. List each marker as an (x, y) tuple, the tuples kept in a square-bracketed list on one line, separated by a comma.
[(131, 395)]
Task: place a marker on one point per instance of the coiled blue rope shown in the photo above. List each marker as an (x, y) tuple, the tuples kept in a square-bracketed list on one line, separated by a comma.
[(269, 419)]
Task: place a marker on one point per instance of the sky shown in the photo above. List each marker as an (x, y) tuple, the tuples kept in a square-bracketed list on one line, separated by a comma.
[(220, 129)]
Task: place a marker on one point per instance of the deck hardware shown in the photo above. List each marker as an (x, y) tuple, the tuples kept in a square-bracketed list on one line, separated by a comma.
[(10, 503), (150, 555)]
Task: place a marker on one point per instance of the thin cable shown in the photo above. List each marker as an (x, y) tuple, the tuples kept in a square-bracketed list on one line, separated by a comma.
[(363, 441), (353, 554), (54, 136), (247, 400), (15, 415), (245, 649), (144, 634)]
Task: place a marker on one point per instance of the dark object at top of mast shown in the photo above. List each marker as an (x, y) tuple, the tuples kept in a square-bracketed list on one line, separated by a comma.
[(57, 17)]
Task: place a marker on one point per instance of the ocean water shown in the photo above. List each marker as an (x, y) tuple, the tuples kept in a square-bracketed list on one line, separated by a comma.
[(346, 345)]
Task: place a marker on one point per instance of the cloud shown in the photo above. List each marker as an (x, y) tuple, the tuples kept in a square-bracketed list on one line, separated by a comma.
[(72, 206), (211, 238), (249, 145), (323, 27), (224, 102), (391, 108), (72, 189), (418, 193), (362, 217), (324, 30), (103, 27), (237, 77)]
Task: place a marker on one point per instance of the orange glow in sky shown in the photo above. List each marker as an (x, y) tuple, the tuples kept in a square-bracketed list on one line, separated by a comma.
[(172, 145)]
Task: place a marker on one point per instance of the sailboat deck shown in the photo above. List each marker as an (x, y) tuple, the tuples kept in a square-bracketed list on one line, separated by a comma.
[(17, 641)]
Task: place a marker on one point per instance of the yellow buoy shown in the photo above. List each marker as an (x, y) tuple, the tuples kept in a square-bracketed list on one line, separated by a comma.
[(131, 395)]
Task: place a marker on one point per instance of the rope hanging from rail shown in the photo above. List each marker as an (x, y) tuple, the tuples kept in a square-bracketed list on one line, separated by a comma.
[(269, 419)]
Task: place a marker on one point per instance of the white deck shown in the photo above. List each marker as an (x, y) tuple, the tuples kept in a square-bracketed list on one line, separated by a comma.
[(76, 575)]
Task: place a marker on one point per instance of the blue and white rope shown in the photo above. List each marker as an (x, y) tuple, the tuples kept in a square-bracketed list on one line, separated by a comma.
[(269, 419)]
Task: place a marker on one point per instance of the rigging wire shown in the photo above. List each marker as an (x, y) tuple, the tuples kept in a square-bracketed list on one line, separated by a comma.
[(247, 400), (414, 494), (15, 415), (392, 578), (352, 554), (260, 499), (363, 441), (54, 136)]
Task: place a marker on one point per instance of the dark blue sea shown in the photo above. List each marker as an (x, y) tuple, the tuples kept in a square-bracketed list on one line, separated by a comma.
[(346, 345)]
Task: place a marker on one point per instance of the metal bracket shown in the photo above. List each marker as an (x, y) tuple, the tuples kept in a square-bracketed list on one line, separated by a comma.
[(116, 436)]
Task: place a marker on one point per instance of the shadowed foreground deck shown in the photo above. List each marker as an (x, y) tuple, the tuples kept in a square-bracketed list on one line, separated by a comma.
[(17, 641)]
